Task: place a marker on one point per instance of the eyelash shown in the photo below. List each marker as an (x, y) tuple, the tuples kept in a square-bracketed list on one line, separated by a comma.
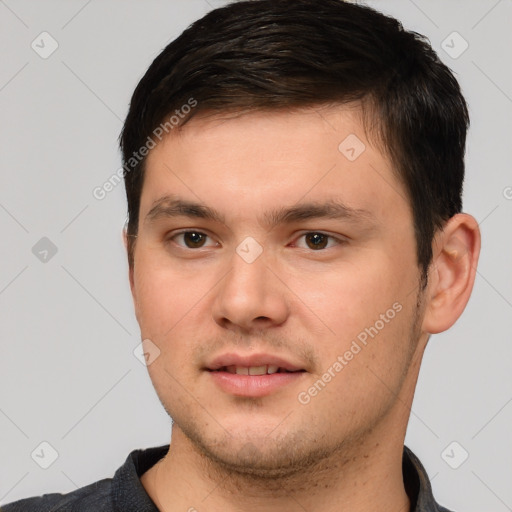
[(339, 241)]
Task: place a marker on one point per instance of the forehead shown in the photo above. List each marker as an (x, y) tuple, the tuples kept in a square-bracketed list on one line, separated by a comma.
[(258, 158)]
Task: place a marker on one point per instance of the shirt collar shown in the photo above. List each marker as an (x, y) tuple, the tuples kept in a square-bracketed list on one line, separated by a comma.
[(417, 484)]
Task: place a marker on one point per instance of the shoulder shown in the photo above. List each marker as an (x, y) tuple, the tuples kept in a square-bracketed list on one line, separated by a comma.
[(122, 492), (95, 497)]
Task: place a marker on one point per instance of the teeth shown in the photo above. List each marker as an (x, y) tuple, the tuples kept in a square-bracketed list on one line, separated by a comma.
[(258, 370), (254, 370), (251, 370)]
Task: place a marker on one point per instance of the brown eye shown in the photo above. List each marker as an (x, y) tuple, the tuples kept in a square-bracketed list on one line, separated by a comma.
[(317, 241), (192, 239)]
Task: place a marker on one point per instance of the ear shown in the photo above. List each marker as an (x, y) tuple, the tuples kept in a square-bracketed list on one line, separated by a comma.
[(130, 267), (452, 272)]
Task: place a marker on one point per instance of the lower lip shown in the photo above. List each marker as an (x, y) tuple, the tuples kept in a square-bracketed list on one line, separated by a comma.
[(253, 385)]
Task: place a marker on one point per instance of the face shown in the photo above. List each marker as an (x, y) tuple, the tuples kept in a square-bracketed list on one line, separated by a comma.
[(299, 250)]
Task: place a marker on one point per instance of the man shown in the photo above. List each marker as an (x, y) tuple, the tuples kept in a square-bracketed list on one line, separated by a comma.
[(293, 173)]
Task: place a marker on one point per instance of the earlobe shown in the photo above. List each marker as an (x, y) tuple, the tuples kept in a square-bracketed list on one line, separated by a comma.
[(455, 256)]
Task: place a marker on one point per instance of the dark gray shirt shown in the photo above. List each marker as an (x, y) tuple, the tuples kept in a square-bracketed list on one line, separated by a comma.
[(125, 493)]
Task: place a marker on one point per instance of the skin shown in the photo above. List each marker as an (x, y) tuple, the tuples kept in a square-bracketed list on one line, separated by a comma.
[(343, 449)]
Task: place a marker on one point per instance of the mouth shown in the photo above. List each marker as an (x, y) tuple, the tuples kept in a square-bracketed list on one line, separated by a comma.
[(253, 376), (253, 364), (266, 369)]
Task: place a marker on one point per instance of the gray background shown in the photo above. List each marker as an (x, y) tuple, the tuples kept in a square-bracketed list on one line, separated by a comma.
[(68, 374)]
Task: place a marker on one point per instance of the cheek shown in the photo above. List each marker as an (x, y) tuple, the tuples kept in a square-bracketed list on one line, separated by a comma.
[(366, 361), (365, 311), (350, 297), (172, 309), (161, 296)]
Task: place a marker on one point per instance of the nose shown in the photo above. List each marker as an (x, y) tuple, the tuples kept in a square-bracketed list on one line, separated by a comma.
[(251, 296)]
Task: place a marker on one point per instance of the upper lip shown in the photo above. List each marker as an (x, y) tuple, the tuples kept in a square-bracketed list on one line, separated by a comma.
[(233, 359)]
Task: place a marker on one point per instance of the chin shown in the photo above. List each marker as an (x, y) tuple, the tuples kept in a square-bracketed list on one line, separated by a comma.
[(257, 455)]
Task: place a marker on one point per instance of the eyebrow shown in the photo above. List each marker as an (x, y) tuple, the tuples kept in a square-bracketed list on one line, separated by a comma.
[(172, 206)]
